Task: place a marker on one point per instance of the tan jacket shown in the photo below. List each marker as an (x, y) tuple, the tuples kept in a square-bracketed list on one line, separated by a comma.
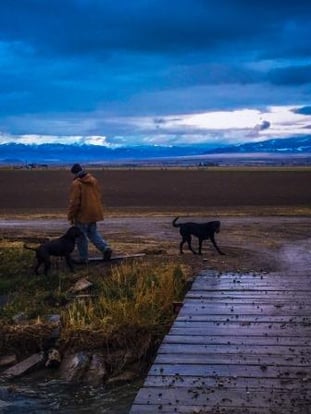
[(85, 200)]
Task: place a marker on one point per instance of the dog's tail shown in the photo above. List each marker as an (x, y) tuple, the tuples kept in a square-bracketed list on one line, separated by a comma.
[(29, 248), (174, 222)]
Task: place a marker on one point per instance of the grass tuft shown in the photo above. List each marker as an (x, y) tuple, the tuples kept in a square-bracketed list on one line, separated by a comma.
[(136, 295)]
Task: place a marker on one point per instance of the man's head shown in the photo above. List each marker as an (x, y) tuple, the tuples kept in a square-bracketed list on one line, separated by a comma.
[(76, 168)]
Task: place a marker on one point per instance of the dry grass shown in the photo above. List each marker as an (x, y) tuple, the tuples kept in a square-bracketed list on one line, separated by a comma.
[(135, 294), (128, 301)]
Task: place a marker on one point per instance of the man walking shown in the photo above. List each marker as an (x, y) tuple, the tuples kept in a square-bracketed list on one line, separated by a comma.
[(85, 210)]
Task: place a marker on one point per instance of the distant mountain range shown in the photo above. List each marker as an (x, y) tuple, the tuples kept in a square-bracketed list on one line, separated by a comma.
[(60, 153), (63, 154), (293, 145)]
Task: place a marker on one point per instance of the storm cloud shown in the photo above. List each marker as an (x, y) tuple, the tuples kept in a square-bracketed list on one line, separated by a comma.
[(86, 67)]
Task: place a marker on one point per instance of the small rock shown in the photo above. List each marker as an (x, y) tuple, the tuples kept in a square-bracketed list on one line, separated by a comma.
[(54, 319), (74, 367), (54, 358), (123, 378), (20, 317), (4, 404), (81, 284), (97, 371)]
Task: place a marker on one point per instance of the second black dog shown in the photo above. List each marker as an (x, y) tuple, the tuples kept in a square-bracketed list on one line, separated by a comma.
[(203, 231), (61, 247)]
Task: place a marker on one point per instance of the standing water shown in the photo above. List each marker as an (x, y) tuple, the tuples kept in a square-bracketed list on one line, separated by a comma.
[(31, 396), (56, 396)]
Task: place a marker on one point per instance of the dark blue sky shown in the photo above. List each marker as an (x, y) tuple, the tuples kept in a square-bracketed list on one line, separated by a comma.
[(153, 71)]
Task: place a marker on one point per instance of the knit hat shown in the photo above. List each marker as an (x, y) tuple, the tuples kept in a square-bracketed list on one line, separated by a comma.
[(76, 168)]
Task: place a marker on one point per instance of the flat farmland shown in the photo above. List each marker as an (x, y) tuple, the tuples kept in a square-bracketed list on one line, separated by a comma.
[(160, 190)]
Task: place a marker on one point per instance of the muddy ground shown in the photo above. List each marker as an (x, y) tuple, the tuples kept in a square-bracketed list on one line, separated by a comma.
[(251, 244)]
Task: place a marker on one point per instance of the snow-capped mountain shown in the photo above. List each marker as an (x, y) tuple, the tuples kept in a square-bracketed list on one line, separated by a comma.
[(285, 145), (13, 153)]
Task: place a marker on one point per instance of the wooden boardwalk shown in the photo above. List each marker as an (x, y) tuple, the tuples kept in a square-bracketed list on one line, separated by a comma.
[(240, 344)]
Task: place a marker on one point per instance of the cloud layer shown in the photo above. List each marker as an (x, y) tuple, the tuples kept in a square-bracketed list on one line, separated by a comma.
[(153, 71)]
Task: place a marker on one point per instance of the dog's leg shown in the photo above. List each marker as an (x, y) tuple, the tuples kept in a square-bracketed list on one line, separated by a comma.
[(36, 268), (181, 246), (47, 265), (185, 239), (212, 238), (200, 245), (69, 263), (188, 240), (38, 264)]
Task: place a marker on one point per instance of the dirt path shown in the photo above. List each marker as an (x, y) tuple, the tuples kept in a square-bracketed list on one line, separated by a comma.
[(251, 243), (296, 256)]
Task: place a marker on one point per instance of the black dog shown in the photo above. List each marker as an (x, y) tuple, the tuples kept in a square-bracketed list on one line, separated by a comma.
[(203, 231), (61, 247)]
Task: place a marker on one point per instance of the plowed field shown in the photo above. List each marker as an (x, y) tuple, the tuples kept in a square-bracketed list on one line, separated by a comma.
[(160, 190)]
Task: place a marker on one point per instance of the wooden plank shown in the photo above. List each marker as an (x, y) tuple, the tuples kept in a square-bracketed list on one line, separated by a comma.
[(210, 275), (249, 296), (304, 320), (233, 359), (260, 285), (239, 370), (242, 331), (235, 279), (252, 292), (249, 301), (271, 350), (214, 306), (253, 283), (179, 323), (287, 300), (253, 277), (236, 340), (200, 396), (282, 285), (119, 257), (211, 282), (244, 328), (252, 384), (194, 409), (192, 308)]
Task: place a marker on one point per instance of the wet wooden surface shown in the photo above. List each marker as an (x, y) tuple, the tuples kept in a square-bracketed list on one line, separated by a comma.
[(240, 344)]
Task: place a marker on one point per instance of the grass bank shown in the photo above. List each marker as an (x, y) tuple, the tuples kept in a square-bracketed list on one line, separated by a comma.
[(128, 308)]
